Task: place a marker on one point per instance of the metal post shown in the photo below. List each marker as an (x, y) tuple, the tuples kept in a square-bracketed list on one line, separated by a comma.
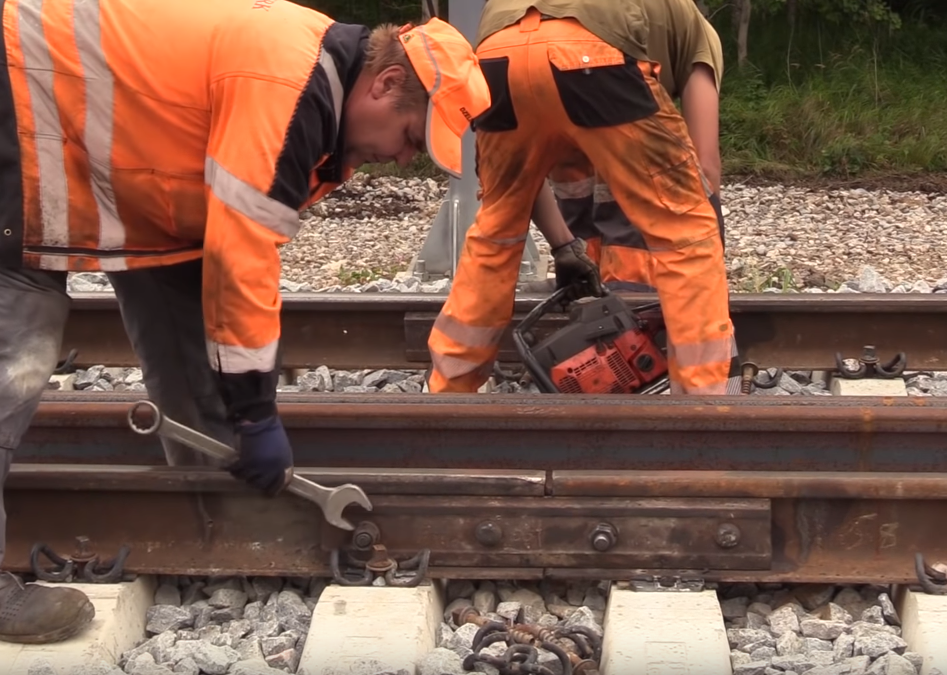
[(441, 250)]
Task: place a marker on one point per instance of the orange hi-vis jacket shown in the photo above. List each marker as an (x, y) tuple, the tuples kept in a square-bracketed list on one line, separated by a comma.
[(137, 133)]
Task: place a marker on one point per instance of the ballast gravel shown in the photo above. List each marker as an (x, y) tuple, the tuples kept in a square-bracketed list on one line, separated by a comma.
[(371, 228), (814, 629), (259, 625), (225, 626), (324, 380)]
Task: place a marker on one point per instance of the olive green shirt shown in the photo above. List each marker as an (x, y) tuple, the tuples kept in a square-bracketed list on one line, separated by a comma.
[(679, 38), (672, 32), (620, 23)]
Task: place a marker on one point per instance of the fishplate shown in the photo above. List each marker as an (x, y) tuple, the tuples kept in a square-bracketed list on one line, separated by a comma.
[(611, 533)]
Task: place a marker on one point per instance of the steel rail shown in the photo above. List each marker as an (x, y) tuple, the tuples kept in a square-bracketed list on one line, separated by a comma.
[(487, 523), (550, 432), (390, 330), (838, 490)]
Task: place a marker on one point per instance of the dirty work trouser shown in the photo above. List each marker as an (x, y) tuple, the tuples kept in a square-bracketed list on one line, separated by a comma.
[(558, 90), (161, 310), (615, 242)]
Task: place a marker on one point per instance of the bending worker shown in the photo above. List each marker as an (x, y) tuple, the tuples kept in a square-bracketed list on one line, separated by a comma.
[(171, 145), (567, 79), (689, 53)]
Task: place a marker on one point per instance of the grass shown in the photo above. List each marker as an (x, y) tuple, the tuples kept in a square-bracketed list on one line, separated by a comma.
[(835, 101), (421, 167), (363, 276), (751, 279), (848, 120)]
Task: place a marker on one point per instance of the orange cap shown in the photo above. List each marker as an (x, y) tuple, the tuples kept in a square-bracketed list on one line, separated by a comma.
[(457, 91)]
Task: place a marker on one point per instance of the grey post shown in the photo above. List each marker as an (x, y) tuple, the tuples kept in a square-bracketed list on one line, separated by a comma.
[(441, 250)]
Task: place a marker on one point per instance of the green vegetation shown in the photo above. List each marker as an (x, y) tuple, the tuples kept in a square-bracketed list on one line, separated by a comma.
[(813, 89), (363, 276), (836, 99)]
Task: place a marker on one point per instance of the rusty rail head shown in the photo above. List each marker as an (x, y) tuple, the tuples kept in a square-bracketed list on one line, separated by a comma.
[(432, 302), (850, 414), (544, 432)]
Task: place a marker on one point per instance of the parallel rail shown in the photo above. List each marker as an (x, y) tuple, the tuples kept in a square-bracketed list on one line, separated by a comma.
[(353, 331), (729, 489)]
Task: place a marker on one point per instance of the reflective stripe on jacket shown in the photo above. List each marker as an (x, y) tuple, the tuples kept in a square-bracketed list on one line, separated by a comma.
[(137, 134)]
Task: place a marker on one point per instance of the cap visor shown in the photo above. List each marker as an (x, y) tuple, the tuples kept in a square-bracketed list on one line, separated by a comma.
[(443, 145)]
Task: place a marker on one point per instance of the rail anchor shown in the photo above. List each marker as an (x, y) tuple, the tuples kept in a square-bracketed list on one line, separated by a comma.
[(869, 365), (68, 365), (933, 578), (362, 572), (82, 565)]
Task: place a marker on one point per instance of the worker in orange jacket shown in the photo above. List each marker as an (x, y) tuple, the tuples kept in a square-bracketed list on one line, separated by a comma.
[(172, 145), (688, 51), (572, 79)]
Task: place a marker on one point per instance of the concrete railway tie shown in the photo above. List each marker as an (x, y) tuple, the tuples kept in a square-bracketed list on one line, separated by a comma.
[(258, 626)]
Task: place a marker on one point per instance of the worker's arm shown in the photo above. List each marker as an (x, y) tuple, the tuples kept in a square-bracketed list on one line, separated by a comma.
[(700, 106), (256, 176), (549, 220), (573, 267)]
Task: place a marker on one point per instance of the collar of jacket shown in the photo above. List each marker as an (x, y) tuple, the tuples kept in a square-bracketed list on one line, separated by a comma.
[(346, 43)]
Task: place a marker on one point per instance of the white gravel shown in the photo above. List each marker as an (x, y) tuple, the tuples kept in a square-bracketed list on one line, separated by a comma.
[(815, 629), (787, 237), (782, 237)]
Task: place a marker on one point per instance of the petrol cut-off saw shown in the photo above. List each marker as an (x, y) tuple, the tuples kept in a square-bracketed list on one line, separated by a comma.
[(604, 348)]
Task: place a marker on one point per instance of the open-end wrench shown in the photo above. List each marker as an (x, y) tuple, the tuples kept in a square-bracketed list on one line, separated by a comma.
[(332, 500)]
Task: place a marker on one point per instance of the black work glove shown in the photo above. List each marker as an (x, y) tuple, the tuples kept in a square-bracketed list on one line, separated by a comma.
[(575, 268), (266, 458)]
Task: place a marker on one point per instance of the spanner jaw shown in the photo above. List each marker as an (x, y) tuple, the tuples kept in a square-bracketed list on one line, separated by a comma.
[(344, 495)]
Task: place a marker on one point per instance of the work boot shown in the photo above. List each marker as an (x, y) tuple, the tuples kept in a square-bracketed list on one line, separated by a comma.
[(34, 614)]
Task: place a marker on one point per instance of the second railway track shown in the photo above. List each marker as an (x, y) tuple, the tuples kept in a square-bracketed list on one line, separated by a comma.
[(379, 330)]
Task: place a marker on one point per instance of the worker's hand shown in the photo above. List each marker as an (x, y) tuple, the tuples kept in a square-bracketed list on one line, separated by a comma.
[(575, 268), (266, 458)]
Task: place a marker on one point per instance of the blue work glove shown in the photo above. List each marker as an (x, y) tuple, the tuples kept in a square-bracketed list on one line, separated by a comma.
[(266, 458)]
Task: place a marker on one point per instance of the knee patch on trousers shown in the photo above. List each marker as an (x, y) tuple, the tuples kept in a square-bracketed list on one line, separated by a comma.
[(500, 116), (604, 89)]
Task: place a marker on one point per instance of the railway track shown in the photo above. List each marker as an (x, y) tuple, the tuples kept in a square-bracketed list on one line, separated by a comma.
[(765, 489), (642, 492)]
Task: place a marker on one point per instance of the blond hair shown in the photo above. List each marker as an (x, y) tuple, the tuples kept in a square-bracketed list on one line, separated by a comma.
[(385, 50)]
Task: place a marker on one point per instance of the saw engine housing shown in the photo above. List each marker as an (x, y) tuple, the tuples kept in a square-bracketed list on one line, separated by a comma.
[(605, 348)]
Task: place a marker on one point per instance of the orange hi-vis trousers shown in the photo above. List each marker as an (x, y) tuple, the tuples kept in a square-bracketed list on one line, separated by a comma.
[(614, 241), (557, 89)]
